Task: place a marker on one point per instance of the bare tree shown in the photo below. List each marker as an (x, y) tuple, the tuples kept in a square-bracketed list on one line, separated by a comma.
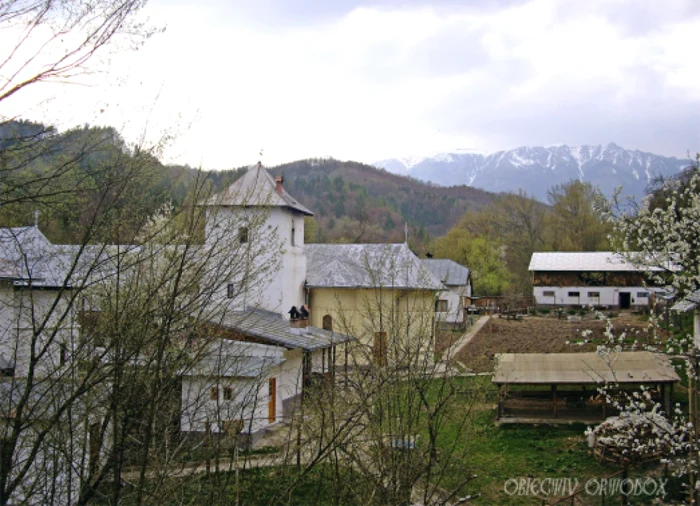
[(387, 423)]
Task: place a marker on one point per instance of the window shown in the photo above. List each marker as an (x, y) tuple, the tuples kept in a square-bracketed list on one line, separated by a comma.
[(214, 393), (228, 393), (574, 294), (243, 234), (230, 291), (328, 322), (642, 295), (440, 306), (379, 348), (594, 295), (293, 232), (548, 293)]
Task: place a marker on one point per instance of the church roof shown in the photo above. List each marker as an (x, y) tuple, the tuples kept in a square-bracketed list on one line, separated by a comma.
[(367, 266), (256, 188)]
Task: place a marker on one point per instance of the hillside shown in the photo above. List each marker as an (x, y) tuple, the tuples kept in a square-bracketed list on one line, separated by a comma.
[(352, 202), (356, 202), (536, 169)]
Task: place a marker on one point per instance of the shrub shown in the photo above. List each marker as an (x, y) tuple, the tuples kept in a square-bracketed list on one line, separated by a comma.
[(571, 311)]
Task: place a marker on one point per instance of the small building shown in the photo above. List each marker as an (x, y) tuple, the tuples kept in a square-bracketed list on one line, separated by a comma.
[(563, 387), (601, 279), (450, 304)]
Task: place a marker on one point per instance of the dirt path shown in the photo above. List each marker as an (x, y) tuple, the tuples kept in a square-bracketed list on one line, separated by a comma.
[(455, 348)]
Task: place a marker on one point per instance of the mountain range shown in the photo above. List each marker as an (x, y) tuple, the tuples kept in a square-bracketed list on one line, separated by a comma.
[(536, 169)]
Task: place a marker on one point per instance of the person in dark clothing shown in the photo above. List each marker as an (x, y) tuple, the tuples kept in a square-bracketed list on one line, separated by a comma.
[(304, 312), (294, 313)]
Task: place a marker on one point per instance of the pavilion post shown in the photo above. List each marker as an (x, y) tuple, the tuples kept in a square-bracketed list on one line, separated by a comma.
[(499, 413)]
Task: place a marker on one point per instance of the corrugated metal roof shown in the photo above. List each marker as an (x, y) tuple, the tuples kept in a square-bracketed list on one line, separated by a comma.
[(585, 261), (367, 266), (256, 189), (690, 302), (271, 327), (448, 271), (583, 368)]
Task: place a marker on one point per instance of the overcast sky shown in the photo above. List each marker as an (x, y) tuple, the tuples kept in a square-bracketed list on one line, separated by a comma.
[(370, 80)]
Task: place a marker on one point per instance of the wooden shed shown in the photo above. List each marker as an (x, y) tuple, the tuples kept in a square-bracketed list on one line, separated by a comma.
[(563, 387)]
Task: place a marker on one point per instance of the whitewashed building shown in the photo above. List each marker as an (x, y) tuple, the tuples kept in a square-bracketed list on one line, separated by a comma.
[(450, 303), (257, 211), (268, 358), (603, 279), (256, 367), (38, 337)]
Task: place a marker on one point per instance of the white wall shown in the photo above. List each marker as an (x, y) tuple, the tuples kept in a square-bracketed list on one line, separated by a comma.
[(21, 312), (282, 288), (250, 395), (455, 307), (609, 296)]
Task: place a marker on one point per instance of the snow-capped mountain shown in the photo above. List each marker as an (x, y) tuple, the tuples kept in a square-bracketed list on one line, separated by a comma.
[(537, 169)]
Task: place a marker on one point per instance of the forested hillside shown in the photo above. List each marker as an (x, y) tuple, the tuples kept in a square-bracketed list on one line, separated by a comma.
[(352, 202)]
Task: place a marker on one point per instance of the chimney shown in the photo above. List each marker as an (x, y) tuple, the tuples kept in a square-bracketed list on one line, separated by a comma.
[(279, 181), (298, 324)]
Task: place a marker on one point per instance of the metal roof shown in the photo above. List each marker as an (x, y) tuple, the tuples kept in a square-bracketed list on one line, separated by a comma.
[(27, 258), (691, 301), (274, 329), (235, 359), (256, 189), (367, 266), (448, 271), (27, 255), (583, 368), (606, 261)]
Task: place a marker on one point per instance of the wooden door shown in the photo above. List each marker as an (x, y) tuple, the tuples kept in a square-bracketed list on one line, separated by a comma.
[(379, 348), (272, 402)]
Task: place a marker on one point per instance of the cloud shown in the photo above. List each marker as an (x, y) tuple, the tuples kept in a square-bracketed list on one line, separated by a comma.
[(369, 80)]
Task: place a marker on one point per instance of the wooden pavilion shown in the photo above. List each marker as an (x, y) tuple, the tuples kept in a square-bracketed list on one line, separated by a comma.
[(563, 387)]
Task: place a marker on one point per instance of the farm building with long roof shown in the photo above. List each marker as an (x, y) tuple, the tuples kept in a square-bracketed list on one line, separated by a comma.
[(600, 278)]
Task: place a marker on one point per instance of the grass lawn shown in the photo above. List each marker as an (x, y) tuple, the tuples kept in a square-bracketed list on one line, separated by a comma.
[(496, 454), (501, 453)]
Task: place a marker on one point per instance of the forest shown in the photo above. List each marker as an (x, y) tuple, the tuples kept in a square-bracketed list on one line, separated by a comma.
[(492, 234)]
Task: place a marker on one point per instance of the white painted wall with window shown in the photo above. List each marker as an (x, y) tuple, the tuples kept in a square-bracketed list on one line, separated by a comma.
[(590, 296)]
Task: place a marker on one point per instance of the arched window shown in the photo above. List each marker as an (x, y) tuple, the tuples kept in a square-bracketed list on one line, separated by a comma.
[(328, 322)]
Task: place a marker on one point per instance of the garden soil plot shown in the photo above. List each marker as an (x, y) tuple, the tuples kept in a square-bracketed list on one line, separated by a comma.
[(536, 334)]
